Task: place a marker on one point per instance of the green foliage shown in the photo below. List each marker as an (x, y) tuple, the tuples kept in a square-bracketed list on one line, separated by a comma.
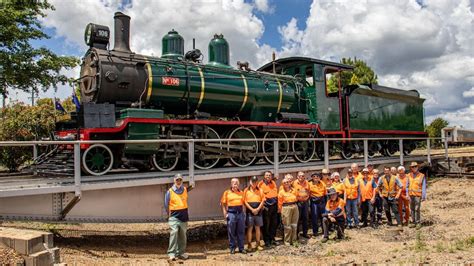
[(362, 74), (24, 66), (420, 244), (21, 122), (434, 128)]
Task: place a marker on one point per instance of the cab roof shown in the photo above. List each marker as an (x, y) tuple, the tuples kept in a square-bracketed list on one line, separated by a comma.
[(282, 63)]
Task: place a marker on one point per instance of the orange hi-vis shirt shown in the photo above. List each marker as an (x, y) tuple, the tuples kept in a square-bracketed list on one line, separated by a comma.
[(253, 196), (269, 190), (366, 190), (333, 205), (317, 190), (302, 190), (286, 197), (339, 187), (232, 199)]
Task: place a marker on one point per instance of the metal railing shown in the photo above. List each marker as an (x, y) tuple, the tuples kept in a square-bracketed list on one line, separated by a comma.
[(191, 149)]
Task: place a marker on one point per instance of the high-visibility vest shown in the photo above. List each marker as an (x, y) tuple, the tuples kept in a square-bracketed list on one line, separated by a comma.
[(317, 189), (351, 189), (339, 187), (389, 189), (302, 190), (338, 203), (178, 201), (270, 190), (253, 196), (366, 190), (232, 199), (416, 184)]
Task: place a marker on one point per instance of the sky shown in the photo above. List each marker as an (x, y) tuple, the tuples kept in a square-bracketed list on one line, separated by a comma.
[(426, 45)]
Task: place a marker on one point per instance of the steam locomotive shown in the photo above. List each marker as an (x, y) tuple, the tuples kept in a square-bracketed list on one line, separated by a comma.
[(129, 96)]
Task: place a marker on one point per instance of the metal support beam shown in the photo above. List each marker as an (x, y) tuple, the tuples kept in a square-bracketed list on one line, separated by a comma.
[(446, 155), (35, 155), (400, 147), (191, 163), (326, 154), (366, 152), (428, 151), (77, 169), (276, 158), (35, 151)]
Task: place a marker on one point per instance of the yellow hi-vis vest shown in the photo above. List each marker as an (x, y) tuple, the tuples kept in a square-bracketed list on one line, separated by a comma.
[(351, 189)]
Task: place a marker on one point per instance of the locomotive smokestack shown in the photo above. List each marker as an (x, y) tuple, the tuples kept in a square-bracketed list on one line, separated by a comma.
[(122, 33)]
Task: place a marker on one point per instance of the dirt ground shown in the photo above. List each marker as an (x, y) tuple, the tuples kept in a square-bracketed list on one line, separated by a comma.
[(447, 236)]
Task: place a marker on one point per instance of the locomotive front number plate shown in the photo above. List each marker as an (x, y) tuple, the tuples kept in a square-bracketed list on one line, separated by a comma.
[(169, 81)]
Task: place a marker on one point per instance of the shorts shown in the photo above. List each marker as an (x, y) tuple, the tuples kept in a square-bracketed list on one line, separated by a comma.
[(254, 220)]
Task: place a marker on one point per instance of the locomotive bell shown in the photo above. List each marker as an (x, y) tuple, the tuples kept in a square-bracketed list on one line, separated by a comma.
[(219, 52), (172, 45)]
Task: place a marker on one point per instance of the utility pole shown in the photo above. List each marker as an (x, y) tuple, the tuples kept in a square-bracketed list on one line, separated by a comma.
[(32, 97)]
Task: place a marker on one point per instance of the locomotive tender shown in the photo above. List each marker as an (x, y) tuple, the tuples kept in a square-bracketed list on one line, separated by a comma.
[(130, 96)]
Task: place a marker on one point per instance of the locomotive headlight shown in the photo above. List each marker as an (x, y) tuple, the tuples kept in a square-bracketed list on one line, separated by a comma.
[(97, 36)]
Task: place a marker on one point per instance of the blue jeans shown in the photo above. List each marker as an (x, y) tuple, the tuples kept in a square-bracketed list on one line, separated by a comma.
[(303, 217), (317, 209), (236, 230), (352, 212)]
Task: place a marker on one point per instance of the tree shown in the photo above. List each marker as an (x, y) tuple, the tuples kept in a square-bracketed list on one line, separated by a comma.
[(23, 122), (25, 67), (361, 74), (434, 128)]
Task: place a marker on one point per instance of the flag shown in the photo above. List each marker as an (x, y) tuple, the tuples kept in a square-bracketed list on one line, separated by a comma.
[(58, 106), (75, 101)]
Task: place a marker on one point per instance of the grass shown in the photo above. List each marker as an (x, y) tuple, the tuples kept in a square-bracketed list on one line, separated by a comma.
[(330, 253), (420, 244)]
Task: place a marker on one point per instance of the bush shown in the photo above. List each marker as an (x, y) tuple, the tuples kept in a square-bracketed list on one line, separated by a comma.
[(21, 122)]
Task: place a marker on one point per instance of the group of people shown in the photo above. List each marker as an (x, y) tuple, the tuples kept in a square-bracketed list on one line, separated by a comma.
[(331, 202)]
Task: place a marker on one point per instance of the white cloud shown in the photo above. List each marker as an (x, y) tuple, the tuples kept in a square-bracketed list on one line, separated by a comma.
[(462, 117), (151, 20), (263, 6), (469, 93)]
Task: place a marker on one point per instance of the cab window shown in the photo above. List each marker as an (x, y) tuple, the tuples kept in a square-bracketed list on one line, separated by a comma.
[(332, 82)]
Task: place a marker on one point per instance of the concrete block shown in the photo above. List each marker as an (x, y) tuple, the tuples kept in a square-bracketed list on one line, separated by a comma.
[(48, 239), (26, 245), (42, 258)]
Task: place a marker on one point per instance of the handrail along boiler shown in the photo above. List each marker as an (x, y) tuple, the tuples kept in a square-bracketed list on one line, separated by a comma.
[(125, 95)]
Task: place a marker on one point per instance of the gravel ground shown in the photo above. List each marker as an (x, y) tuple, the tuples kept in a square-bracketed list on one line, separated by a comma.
[(447, 236)]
